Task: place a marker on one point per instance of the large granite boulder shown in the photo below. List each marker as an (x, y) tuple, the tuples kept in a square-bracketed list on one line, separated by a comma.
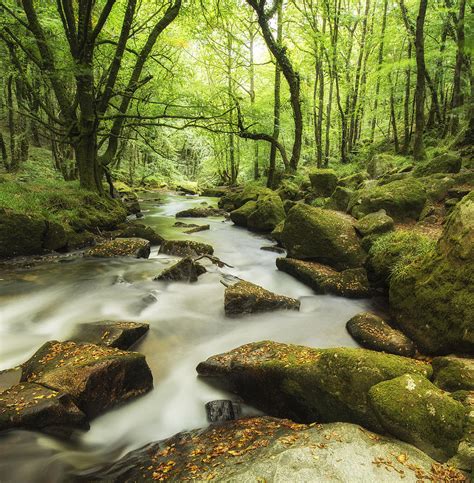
[(433, 301), (185, 248), (323, 181), (323, 236), (277, 450), (411, 408), (306, 384), (96, 377), (247, 298), (322, 279), (121, 247), (372, 332), (185, 270), (35, 407)]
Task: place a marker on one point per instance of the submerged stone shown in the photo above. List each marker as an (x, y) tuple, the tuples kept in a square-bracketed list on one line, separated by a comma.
[(222, 410)]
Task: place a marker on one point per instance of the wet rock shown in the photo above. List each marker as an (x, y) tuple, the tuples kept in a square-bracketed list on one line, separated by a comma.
[(200, 212), (181, 224), (277, 232), (453, 373), (55, 237), (372, 332), (445, 163), (185, 248), (413, 409), (323, 236), (121, 247), (186, 270), (96, 377), (401, 200), (222, 410), (9, 377), (110, 333), (138, 230), (323, 181), (307, 384), (268, 213), (273, 248), (374, 223), (322, 279), (197, 229), (247, 298), (35, 407), (241, 215), (76, 241), (276, 450)]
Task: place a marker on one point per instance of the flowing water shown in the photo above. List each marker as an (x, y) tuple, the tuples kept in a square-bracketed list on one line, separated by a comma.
[(187, 325)]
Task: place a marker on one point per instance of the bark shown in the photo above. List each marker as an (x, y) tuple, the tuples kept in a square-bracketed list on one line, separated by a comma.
[(458, 68), (406, 107)]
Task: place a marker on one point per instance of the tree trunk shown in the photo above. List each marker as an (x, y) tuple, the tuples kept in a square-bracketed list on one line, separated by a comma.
[(406, 107), (460, 61)]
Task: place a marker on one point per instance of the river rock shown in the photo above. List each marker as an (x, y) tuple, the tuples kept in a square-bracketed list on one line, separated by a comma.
[(453, 373), (200, 212), (444, 163), (185, 248), (222, 410), (96, 377), (121, 247), (433, 301), (185, 270), (322, 279), (55, 237), (372, 332), (402, 200), (323, 236), (215, 191), (323, 181), (35, 407), (277, 450), (110, 333), (307, 384), (197, 229), (268, 213), (413, 409), (138, 230), (247, 298), (240, 215)]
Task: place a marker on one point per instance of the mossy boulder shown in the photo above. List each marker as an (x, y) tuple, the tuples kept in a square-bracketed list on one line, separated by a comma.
[(121, 247), (372, 332), (55, 237), (444, 163), (437, 186), (238, 197), (110, 333), (323, 181), (288, 190), (34, 407), (432, 301), (381, 164), (322, 279), (402, 200), (241, 215), (323, 236), (247, 298), (453, 373), (374, 223), (185, 248), (413, 409), (96, 377), (277, 232), (200, 212), (307, 384), (339, 199), (354, 180), (268, 213), (185, 270), (138, 230)]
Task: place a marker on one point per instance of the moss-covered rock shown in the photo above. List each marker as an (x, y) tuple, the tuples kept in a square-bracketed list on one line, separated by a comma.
[(121, 247), (247, 298), (240, 215), (322, 279), (55, 237), (238, 197), (378, 222), (354, 180), (372, 332), (453, 373), (288, 190), (138, 230), (432, 300), (321, 235), (34, 407), (186, 270), (402, 200), (381, 164), (268, 213), (413, 409), (277, 232), (444, 163), (96, 377), (323, 181), (437, 186), (307, 384), (185, 248), (340, 199), (200, 212)]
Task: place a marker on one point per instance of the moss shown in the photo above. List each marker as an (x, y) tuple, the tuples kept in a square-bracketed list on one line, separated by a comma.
[(240, 215), (288, 190), (339, 199), (237, 198), (323, 236), (414, 410), (444, 163), (268, 213), (277, 231), (453, 373), (185, 248), (354, 180), (378, 222), (323, 181), (121, 247)]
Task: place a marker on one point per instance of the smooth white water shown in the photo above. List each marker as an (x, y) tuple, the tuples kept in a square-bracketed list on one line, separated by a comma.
[(187, 325)]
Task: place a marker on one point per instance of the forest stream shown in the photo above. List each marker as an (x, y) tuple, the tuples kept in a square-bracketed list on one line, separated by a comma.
[(187, 325)]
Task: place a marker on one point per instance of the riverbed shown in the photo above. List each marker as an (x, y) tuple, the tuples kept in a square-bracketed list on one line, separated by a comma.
[(187, 325)]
